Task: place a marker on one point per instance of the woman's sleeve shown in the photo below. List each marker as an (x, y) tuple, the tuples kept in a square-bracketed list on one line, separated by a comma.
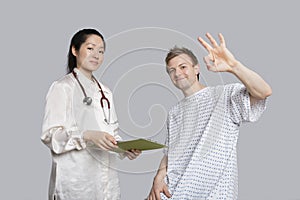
[(114, 121), (59, 131)]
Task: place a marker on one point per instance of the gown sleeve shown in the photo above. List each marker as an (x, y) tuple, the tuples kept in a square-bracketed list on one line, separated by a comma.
[(165, 150), (240, 108), (60, 132)]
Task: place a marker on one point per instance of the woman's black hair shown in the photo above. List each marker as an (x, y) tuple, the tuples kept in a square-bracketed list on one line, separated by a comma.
[(77, 40)]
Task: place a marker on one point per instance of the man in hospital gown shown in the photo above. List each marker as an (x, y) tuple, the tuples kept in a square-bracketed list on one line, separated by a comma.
[(203, 128)]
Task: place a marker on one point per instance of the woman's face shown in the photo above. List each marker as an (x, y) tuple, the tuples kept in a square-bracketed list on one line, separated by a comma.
[(90, 55)]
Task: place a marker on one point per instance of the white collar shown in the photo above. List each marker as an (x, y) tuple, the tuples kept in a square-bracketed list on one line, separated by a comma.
[(87, 82)]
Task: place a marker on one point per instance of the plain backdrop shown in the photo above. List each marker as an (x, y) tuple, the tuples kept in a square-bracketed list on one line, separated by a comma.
[(34, 40)]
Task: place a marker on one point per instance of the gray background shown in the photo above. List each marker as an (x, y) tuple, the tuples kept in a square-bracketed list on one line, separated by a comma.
[(34, 40)]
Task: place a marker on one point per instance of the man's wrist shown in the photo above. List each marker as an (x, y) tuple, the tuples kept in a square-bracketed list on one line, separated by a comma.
[(236, 67), (160, 175)]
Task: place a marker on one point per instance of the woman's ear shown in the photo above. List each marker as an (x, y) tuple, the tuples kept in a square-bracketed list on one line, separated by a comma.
[(74, 52)]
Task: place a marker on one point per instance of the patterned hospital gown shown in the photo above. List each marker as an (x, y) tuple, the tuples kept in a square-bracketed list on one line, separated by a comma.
[(202, 137)]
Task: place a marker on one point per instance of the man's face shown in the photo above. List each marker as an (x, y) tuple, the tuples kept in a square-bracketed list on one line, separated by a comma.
[(182, 72)]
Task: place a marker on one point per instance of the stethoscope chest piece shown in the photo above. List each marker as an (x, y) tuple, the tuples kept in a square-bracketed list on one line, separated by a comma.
[(87, 100)]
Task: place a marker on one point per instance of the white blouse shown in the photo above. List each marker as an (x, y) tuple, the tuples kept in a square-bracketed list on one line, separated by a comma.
[(80, 170)]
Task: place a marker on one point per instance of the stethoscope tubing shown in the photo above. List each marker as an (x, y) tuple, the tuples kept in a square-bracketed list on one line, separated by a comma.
[(88, 100)]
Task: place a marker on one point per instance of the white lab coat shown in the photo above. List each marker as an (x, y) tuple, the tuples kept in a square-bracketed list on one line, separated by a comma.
[(80, 171)]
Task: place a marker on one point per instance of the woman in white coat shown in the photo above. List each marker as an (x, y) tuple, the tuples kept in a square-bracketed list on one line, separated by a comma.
[(80, 127)]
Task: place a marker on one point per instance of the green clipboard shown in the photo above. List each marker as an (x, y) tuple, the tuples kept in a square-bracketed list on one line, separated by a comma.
[(139, 144)]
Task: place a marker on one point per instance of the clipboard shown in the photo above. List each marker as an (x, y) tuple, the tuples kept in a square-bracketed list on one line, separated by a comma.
[(139, 144)]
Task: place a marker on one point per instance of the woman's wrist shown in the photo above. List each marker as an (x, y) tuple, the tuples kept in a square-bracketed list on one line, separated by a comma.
[(86, 135)]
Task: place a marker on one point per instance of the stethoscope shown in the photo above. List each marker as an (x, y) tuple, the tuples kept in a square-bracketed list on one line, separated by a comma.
[(88, 100)]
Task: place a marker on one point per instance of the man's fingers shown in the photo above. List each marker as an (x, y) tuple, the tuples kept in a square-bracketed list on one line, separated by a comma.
[(208, 61), (205, 44), (212, 40), (151, 195), (166, 192), (157, 195), (208, 48), (222, 40)]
